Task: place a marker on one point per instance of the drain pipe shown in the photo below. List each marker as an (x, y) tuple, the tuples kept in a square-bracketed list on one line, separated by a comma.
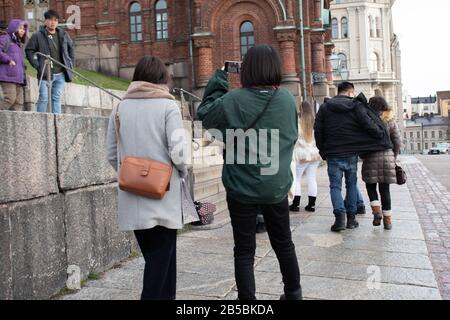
[(302, 49), (191, 49)]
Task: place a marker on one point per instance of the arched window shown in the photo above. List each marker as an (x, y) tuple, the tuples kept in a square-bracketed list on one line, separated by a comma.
[(162, 20), (335, 28), (378, 26), (371, 27), (374, 62), (135, 22), (343, 59), (247, 35), (344, 27)]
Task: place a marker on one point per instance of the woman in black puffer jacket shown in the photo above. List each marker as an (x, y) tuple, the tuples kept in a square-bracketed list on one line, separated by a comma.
[(379, 167)]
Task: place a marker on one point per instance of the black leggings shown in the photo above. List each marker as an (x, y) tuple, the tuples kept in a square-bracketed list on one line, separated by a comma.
[(385, 194)]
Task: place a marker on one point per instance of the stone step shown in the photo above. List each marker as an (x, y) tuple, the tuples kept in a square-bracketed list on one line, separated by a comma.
[(207, 174), (207, 189), (201, 142), (209, 161), (205, 152)]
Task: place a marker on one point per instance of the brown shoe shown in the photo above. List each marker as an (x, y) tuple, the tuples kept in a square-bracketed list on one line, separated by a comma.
[(387, 220), (377, 214)]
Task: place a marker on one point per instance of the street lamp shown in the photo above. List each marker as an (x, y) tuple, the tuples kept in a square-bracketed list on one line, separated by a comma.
[(339, 67), (345, 74), (335, 62)]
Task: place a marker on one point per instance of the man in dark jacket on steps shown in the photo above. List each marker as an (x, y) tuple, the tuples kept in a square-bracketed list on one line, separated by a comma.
[(55, 42), (346, 128)]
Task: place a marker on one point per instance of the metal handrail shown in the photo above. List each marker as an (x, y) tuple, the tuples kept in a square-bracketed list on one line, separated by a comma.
[(181, 90), (48, 57)]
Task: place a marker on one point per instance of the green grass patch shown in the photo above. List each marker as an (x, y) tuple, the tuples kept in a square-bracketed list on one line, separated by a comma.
[(102, 80), (94, 276), (134, 255)]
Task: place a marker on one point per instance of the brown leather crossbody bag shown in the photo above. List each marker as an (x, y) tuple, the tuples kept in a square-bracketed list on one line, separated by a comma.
[(147, 178)]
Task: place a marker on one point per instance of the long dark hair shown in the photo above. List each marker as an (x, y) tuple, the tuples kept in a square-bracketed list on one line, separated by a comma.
[(261, 67), (379, 104)]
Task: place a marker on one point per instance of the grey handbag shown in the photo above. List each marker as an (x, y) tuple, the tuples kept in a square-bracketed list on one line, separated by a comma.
[(188, 207)]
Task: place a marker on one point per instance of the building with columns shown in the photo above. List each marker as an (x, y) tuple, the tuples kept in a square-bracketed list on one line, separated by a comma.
[(195, 37), (363, 34)]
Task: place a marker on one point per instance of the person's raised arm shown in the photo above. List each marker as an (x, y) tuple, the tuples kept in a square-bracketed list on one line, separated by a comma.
[(211, 110)]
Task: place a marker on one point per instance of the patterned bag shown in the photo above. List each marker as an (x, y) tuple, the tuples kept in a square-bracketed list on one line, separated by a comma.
[(190, 214), (205, 213)]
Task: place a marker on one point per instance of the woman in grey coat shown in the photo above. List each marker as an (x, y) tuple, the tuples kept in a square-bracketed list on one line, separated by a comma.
[(379, 167), (151, 127)]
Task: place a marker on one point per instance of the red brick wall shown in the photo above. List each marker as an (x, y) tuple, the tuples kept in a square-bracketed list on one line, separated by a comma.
[(108, 22), (11, 9)]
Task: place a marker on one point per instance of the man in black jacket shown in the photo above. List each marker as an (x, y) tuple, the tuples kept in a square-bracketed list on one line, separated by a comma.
[(55, 42), (346, 128)]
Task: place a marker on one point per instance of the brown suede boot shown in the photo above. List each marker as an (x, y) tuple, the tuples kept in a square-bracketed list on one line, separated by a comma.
[(377, 214), (387, 220)]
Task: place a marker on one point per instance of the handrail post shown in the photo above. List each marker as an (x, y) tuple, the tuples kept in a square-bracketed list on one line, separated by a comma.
[(49, 85)]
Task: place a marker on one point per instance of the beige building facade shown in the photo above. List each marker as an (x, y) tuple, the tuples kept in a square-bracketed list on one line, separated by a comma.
[(364, 39)]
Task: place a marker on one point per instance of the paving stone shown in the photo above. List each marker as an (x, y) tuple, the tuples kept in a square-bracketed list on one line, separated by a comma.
[(326, 288), (340, 254), (361, 272)]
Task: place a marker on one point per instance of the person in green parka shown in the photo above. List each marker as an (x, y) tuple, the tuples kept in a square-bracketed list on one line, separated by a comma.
[(259, 126)]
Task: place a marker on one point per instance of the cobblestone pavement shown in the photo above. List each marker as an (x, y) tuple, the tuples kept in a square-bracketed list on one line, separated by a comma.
[(432, 200), (366, 263)]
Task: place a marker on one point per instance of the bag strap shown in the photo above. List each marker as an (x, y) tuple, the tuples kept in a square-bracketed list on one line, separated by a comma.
[(117, 127), (264, 111)]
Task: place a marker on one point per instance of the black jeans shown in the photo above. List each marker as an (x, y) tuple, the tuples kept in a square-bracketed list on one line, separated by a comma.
[(277, 221), (159, 247), (385, 194)]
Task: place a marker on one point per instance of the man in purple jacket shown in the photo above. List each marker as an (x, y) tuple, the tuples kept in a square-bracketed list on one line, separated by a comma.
[(12, 66)]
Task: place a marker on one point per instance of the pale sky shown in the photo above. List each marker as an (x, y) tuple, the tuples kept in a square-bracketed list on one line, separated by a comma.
[(423, 28)]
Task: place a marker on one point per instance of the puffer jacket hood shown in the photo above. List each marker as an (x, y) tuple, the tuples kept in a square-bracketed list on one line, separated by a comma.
[(341, 104), (14, 26)]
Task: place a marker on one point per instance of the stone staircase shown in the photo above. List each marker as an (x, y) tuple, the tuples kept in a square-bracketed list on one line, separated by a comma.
[(208, 187)]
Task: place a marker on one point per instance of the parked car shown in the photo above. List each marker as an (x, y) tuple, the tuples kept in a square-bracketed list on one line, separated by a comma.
[(441, 148)]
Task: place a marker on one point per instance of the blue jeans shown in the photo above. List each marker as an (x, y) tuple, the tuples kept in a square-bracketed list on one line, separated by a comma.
[(58, 83), (359, 199), (337, 169)]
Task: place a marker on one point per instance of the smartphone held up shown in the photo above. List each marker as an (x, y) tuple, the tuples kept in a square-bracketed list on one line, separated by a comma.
[(233, 66)]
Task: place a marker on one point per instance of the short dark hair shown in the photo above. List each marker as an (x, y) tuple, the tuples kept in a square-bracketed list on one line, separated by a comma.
[(379, 104), (261, 67), (51, 14), (345, 86), (151, 69)]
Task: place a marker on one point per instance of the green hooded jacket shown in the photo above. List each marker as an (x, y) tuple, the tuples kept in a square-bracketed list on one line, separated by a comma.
[(265, 179)]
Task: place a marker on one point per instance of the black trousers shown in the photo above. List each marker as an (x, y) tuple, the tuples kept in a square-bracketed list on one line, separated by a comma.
[(159, 247), (277, 221), (385, 194)]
